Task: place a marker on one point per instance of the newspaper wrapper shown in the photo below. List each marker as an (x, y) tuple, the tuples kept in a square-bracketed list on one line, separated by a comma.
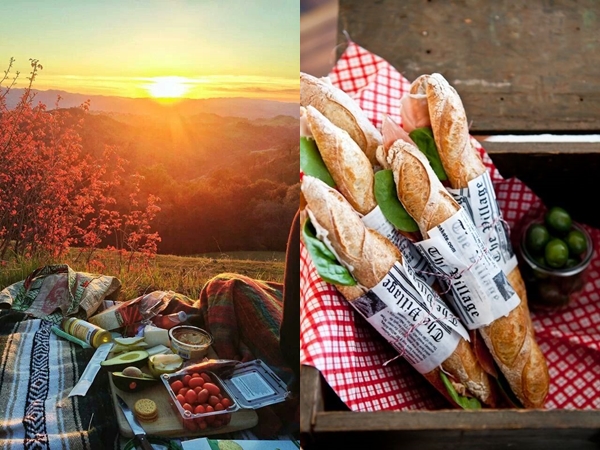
[(412, 318), (479, 200), (375, 220), (481, 291)]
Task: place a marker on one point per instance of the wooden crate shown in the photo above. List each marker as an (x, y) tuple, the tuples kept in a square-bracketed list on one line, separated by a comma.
[(520, 68)]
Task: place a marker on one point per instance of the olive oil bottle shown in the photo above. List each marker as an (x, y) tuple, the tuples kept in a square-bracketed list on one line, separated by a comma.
[(88, 332)]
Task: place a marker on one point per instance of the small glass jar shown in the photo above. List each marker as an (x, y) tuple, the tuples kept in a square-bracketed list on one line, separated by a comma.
[(552, 289)]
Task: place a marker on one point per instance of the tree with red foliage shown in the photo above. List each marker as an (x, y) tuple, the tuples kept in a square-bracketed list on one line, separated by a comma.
[(52, 196)]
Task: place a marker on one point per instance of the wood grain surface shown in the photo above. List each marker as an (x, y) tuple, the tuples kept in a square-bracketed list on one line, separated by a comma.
[(169, 422), (530, 66)]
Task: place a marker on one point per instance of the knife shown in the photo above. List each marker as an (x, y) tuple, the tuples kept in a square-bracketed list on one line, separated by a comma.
[(137, 429)]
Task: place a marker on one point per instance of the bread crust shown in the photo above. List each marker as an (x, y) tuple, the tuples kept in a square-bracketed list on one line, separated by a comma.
[(510, 339), (451, 132), (370, 257), (342, 111), (348, 165), (422, 194)]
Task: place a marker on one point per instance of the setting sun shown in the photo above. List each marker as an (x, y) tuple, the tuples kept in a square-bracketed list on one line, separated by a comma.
[(167, 87)]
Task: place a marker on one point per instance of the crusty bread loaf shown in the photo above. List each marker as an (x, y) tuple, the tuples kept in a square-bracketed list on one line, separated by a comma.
[(510, 339), (419, 190), (462, 162), (348, 165), (342, 110), (451, 132), (369, 257)]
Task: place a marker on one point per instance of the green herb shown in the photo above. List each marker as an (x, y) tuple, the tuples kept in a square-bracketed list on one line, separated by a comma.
[(311, 162), (509, 395), (424, 139), (387, 199), (328, 267), (465, 402)]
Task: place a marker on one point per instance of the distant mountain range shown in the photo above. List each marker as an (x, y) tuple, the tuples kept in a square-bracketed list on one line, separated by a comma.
[(226, 107)]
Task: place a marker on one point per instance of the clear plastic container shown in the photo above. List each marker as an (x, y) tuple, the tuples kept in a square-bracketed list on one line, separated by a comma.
[(551, 289), (251, 385)]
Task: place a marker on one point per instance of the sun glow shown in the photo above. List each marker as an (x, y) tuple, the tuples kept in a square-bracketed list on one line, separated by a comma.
[(168, 87)]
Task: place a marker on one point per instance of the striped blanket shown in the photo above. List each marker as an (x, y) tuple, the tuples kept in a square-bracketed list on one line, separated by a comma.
[(37, 372)]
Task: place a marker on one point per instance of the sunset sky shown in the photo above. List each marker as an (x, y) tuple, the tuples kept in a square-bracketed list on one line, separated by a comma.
[(160, 48)]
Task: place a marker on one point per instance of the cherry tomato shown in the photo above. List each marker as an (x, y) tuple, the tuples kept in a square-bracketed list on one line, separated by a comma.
[(206, 377), (209, 408), (195, 375), (198, 389), (219, 407), (176, 385), (213, 400), (191, 397), (180, 399), (196, 382), (190, 425), (199, 410), (186, 379), (203, 396), (213, 389), (183, 391), (188, 407), (226, 402)]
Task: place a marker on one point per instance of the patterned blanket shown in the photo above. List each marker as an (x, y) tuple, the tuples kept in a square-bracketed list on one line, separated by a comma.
[(37, 372)]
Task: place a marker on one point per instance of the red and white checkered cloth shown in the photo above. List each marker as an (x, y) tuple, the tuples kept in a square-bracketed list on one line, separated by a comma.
[(350, 354)]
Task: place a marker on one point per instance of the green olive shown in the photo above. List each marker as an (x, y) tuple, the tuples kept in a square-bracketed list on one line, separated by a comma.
[(576, 242), (556, 253), (536, 238), (558, 220)]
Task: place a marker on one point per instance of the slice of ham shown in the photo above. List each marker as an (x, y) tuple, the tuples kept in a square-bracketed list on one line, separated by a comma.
[(413, 106), (391, 132)]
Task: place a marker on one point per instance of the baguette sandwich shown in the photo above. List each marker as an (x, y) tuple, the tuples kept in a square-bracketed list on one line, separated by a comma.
[(431, 97), (370, 257), (342, 111), (509, 338)]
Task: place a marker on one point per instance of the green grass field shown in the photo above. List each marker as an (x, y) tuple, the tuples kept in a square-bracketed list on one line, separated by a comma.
[(185, 275)]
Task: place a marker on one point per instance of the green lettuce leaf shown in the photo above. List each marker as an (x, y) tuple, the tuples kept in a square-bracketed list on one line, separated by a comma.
[(465, 402), (387, 199), (311, 162), (424, 139), (328, 267)]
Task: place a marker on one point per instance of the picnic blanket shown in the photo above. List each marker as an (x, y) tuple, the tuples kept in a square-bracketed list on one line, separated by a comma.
[(244, 316), (37, 372), (55, 291), (351, 355)]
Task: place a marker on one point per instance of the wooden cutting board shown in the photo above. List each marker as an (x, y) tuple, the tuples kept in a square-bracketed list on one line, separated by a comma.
[(169, 423)]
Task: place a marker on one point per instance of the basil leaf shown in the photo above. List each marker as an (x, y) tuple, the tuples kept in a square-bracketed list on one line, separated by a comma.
[(507, 392), (387, 199), (424, 139), (328, 267), (311, 162), (465, 402)]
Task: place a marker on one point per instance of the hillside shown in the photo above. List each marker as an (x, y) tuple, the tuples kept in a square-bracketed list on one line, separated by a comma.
[(226, 107), (225, 183)]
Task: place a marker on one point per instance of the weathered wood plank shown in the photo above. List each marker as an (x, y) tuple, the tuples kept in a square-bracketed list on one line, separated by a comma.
[(509, 419), (542, 148), (517, 65), (561, 439), (311, 398)]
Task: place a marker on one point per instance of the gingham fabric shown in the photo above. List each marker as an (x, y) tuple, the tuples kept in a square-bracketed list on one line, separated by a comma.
[(352, 357)]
